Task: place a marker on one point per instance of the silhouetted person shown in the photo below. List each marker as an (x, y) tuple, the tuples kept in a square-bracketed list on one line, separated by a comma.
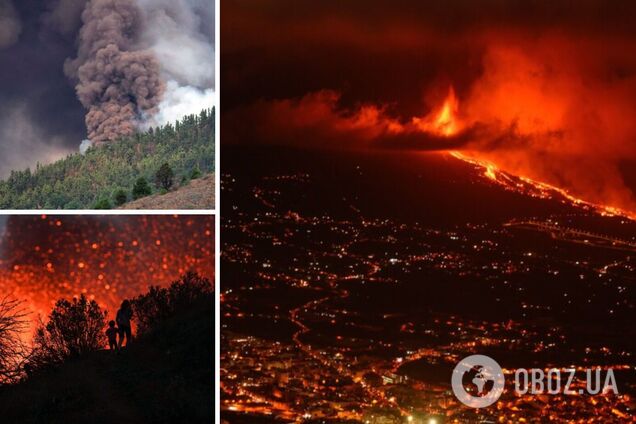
[(111, 333), (124, 316)]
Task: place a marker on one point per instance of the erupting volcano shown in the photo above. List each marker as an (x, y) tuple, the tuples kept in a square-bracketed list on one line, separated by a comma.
[(410, 183), (445, 121)]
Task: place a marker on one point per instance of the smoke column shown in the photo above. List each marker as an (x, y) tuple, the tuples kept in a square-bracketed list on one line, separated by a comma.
[(117, 82)]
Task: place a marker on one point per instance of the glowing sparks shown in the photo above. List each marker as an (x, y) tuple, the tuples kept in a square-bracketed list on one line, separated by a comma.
[(106, 259)]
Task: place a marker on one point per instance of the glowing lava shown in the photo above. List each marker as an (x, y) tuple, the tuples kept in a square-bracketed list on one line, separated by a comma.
[(445, 121), (530, 187)]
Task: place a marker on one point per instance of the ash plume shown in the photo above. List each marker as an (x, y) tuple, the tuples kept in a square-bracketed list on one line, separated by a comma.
[(10, 25), (118, 83)]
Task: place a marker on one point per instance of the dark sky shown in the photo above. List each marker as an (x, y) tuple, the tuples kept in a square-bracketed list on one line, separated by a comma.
[(385, 51), (545, 89), (39, 112)]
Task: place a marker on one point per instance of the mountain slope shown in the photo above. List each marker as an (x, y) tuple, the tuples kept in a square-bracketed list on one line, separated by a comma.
[(197, 194), (80, 181)]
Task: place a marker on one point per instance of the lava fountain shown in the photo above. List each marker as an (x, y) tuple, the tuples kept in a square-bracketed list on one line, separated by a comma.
[(444, 121)]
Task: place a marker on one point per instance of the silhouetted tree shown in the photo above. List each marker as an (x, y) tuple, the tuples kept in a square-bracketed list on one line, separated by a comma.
[(182, 295), (120, 197), (13, 324), (74, 328), (141, 188), (164, 177)]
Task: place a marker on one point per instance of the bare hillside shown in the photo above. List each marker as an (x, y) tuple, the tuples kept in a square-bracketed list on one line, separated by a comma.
[(198, 194)]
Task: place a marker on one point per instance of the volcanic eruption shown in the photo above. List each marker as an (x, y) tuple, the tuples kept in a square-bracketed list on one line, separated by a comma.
[(544, 92)]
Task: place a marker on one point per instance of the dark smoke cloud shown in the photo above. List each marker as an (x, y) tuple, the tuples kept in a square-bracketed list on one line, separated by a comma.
[(117, 83), (10, 25), (40, 117), (64, 16)]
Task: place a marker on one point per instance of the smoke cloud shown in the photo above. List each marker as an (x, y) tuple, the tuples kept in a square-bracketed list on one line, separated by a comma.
[(140, 62), (180, 34), (10, 25), (117, 83), (18, 128), (41, 115), (64, 16)]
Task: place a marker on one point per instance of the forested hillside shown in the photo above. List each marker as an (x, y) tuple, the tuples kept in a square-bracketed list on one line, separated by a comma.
[(115, 173)]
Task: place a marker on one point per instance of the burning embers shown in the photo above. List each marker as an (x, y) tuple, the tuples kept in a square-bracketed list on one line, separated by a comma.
[(108, 259)]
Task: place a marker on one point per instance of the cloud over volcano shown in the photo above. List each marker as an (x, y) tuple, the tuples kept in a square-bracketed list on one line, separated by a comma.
[(543, 90)]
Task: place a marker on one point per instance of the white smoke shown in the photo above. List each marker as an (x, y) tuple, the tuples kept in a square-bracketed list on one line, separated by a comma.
[(84, 146), (178, 37), (179, 101)]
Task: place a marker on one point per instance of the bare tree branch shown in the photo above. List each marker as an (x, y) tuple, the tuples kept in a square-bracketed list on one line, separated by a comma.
[(13, 351)]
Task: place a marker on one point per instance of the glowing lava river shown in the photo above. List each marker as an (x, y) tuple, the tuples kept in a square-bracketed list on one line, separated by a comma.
[(530, 187)]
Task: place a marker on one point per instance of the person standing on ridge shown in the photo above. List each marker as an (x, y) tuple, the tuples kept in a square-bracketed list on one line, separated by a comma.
[(111, 333), (124, 315)]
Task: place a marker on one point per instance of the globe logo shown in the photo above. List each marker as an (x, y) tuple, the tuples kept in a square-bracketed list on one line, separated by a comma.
[(478, 381)]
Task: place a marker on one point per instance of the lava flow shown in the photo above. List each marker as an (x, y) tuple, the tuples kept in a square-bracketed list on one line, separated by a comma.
[(107, 258), (446, 122)]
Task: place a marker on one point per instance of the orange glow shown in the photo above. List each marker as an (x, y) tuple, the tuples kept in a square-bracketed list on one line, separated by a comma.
[(68, 264), (445, 121)]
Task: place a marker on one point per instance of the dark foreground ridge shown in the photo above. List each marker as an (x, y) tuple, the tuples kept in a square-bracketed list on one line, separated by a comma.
[(165, 376), (109, 175)]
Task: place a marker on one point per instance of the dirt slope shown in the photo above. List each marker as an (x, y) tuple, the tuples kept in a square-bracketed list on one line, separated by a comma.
[(198, 194)]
